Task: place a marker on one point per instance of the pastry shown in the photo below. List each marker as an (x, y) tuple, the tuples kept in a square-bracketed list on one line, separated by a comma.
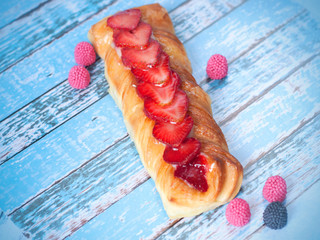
[(167, 114)]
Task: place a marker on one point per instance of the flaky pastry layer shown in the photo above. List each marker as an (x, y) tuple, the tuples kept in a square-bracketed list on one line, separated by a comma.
[(224, 173)]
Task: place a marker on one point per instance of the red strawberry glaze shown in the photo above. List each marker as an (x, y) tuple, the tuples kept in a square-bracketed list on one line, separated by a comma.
[(172, 134), (161, 95), (136, 38), (173, 112), (128, 19), (182, 154), (164, 101), (158, 75), (194, 173), (144, 59)]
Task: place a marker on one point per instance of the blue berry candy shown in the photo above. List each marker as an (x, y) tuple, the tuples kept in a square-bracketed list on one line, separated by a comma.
[(275, 215)]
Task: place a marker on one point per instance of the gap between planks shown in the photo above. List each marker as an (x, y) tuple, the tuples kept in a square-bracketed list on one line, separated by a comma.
[(68, 174), (261, 40), (223, 16), (268, 89)]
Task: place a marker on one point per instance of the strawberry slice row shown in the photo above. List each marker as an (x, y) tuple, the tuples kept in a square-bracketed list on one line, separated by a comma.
[(164, 101), (160, 94)]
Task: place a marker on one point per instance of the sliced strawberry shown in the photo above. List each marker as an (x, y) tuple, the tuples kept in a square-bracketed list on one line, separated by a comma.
[(146, 58), (158, 74), (194, 173), (183, 154), (136, 38), (162, 95), (172, 134), (127, 19), (173, 112)]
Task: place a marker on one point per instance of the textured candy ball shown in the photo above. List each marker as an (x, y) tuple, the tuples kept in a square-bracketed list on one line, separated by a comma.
[(238, 212), (275, 189), (79, 77), (84, 54), (275, 216), (217, 67)]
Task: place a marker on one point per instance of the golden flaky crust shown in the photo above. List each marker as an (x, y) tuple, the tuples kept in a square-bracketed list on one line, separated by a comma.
[(224, 173)]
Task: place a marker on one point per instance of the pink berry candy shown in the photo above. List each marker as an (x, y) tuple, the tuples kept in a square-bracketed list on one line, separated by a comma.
[(275, 189), (84, 54), (217, 67), (238, 212), (79, 77)]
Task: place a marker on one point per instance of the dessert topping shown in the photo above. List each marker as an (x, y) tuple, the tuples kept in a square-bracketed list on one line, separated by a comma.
[(136, 38), (144, 59), (173, 112), (128, 19), (172, 134), (194, 173), (182, 154), (158, 74)]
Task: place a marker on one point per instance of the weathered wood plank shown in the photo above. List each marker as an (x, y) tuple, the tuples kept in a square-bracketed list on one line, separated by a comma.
[(59, 102), (265, 66), (143, 205), (38, 77), (239, 31), (60, 152), (8, 230), (194, 16), (52, 20), (12, 10), (67, 213), (258, 142)]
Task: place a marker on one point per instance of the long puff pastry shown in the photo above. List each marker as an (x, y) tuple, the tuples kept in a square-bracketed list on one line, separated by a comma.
[(224, 175)]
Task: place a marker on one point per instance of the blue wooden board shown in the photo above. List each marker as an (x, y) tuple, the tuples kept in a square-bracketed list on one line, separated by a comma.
[(68, 168)]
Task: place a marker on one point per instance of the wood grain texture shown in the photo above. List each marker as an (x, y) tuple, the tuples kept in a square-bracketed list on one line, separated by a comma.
[(59, 153), (53, 101), (238, 32), (51, 21), (52, 216), (194, 16), (285, 50), (15, 9)]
